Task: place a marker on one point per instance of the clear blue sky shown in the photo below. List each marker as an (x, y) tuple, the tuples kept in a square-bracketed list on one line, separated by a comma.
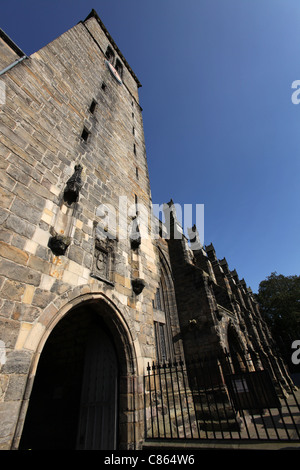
[(220, 126)]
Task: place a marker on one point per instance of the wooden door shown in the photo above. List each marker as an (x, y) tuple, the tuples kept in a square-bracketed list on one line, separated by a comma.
[(98, 411)]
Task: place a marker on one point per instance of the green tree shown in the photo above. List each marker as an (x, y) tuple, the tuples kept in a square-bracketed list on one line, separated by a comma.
[(279, 300)]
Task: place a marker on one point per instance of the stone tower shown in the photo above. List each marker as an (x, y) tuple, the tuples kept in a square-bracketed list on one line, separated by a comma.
[(92, 287), (74, 185)]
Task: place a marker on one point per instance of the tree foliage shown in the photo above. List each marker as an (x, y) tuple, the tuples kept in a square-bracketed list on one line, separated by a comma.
[(279, 299)]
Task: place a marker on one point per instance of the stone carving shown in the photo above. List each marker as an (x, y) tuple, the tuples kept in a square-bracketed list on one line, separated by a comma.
[(73, 186), (194, 238), (101, 262), (138, 285), (135, 236), (104, 256), (59, 244)]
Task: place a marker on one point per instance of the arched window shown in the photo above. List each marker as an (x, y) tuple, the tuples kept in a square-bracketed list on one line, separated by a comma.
[(166, 323), (163, 335)]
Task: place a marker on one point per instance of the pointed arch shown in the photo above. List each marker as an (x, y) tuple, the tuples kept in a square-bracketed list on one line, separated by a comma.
[(166, 323), (89, 312)]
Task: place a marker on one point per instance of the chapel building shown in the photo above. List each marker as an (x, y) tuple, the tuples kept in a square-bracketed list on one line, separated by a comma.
[(90, 303)]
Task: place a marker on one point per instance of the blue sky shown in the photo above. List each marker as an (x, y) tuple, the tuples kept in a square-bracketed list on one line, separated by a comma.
[(220, 127)]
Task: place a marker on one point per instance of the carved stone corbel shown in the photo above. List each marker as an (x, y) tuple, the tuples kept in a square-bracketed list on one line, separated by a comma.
[(73, 186), (58, 244), (62, 227), (138, 285), (135, 236)]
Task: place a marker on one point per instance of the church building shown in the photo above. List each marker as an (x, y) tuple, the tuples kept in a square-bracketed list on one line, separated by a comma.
[(99, 299)]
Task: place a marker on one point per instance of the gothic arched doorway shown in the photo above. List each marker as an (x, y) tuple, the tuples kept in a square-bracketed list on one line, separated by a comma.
[(75, 397)]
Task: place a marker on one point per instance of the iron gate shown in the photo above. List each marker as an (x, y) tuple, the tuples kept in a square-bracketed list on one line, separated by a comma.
[(218, 398)]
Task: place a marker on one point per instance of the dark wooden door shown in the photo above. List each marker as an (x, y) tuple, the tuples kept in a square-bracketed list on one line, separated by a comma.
[(98, 411)]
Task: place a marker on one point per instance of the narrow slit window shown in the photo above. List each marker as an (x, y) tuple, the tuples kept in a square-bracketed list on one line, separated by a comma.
[(163, 329), (134, 149), (103, 86), (93, 106), (156, 300), (119, 68), (85, 134), (162, 350), (163, 345), (137, 173), (133, 130), (110, 55)]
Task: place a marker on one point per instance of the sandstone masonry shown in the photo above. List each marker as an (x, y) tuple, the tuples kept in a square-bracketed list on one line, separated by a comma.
[(72, 141)]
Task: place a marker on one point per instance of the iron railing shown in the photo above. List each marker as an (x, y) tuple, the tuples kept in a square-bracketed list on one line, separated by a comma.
[(221, 398)]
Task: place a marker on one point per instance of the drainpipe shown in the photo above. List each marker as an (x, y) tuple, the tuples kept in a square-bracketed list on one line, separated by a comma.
[(13, 64), (15, 48)]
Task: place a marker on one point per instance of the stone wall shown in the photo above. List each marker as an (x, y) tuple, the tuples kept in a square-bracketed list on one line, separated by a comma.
[(72, 154), (48, 99), (9, 51), (218, 313)]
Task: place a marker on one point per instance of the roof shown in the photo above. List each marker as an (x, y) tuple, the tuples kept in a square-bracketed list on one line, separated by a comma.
[(11, 43), (93, 14)]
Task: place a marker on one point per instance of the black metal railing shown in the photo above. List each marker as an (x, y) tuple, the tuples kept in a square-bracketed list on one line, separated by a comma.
[(221, 398)]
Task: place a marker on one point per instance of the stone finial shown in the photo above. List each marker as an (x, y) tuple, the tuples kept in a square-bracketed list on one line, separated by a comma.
[(172, 224), (210, 248), (194, 238), (224, 265), (211, 253), (235, 276)]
